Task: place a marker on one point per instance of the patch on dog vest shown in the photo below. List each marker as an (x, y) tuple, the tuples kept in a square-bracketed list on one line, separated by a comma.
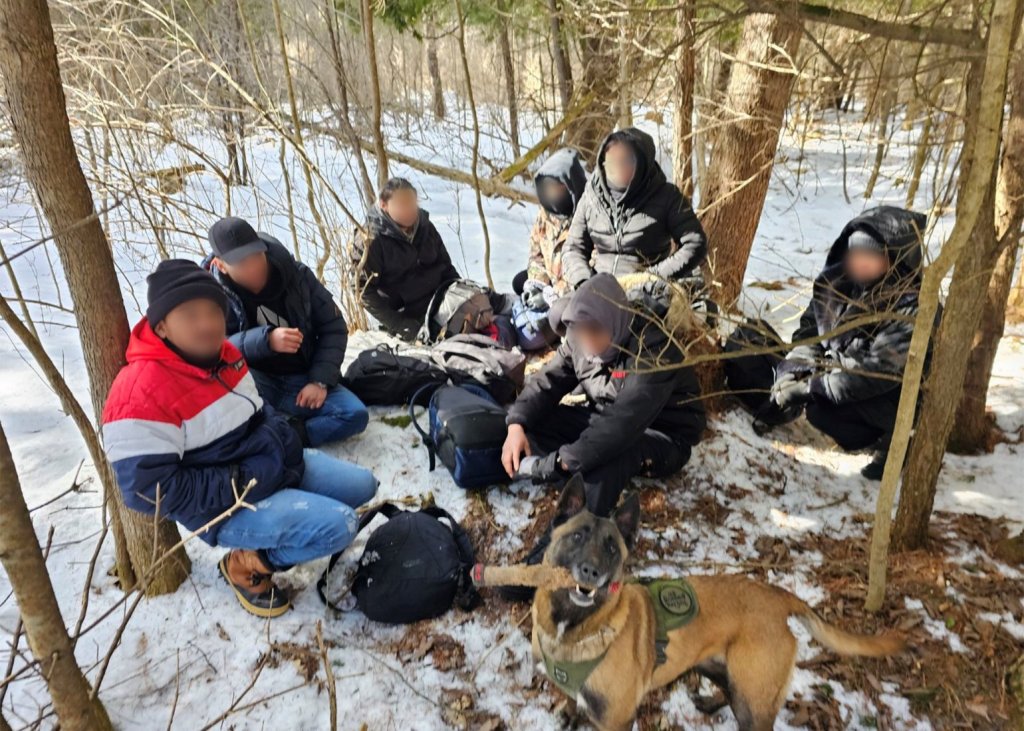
[(675, 606), (570, 676)]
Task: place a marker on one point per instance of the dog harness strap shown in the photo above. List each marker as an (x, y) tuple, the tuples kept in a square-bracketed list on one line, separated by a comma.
[(570, 677), (675, 606)]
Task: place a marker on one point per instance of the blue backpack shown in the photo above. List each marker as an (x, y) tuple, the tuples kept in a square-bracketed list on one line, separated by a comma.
[(467, 431), (532, 327)]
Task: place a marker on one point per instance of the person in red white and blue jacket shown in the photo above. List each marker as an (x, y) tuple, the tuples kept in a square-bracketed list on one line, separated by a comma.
[(186, 429)]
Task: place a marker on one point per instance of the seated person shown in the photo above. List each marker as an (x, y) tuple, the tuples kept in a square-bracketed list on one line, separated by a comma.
[(560, 183), (289, 330), (401, 260), (631, 219), (185, 430), (850, 381), (643, 413)]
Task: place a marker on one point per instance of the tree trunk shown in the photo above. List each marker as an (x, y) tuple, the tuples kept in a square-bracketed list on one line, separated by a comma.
[(508, 65), (44, 626), (682, 116), (733, 194), (982, 145), (434, 68), (972, 427), (597, 86), (341, 81), (945, 381), (1015, 307), (623, 87), (563, 69), (36, 102), (375, 123)]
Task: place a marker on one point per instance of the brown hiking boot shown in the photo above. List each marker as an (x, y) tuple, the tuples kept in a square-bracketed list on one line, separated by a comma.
[(250, 580)]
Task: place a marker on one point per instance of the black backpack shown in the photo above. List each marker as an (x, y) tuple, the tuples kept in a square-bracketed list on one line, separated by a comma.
[(467, 431), (413, 567), (383, 376)]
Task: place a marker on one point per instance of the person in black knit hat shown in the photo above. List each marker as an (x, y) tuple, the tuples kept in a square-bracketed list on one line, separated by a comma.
[(289, 329)]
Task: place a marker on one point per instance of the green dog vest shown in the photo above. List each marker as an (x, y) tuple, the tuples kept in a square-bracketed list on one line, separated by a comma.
[(675, 606)]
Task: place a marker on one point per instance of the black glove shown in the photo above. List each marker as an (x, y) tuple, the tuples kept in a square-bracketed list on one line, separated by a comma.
[(548, 470), (788, 391)]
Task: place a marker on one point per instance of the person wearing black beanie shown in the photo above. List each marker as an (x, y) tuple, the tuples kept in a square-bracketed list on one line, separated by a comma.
[(187, 310), (176, 281)]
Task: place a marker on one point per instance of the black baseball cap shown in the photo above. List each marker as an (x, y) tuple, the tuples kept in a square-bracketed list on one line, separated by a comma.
[(233, 239)]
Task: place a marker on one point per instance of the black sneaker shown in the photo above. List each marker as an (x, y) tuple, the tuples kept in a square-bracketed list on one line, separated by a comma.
[(534, 557), (874, 469)]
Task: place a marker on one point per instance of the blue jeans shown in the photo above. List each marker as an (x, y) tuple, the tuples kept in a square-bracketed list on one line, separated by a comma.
[(342, 416), (313, 519)]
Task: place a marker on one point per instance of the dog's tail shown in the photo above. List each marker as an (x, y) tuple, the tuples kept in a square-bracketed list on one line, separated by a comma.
[(848, 643)]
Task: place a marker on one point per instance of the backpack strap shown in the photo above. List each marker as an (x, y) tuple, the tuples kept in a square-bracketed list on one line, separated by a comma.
[(427, 441), (466, 595), (389, 510)]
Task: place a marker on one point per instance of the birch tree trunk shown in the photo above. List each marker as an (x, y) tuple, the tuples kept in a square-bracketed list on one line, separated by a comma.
[(35, 98), (970, 208), (733, 193), (47, 635)]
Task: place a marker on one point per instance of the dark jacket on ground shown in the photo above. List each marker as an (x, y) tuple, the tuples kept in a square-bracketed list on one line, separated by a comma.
[(630, 387), (640, 231), (400, 273), (846, 366), (308, 306)]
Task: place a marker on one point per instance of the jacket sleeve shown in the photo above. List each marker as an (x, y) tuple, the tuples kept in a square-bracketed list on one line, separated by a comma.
[(883, 355), (544, 390), (253, 344), (146, 457), (578, 246), (616, 429), (331, 332), (536, 268), (686, 231), (803, 358)]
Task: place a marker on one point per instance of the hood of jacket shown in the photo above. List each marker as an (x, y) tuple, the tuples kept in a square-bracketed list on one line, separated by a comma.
[(648, 178), (898, 230), (565, 166), (602, 300)]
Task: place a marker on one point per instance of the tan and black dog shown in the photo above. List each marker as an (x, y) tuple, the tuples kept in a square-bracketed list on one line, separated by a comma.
[(607, 643)]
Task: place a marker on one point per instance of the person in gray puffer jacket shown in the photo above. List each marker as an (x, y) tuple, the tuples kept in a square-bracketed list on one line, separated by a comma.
[(863, 306), (631, 219), (643, 413)]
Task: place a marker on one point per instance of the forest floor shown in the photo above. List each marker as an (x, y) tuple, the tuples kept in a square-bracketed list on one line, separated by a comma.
[(788, 508)]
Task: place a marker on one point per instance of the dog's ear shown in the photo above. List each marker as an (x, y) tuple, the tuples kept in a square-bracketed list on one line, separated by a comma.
[(572, 501), (627, 518)]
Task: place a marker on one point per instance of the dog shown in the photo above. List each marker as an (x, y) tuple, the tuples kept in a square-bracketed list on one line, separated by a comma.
[(607, 643)]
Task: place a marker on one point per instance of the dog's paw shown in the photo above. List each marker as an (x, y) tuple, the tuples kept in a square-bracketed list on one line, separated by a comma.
[(710, 704)]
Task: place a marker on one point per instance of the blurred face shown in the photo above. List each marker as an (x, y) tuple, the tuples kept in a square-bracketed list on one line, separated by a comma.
[(865, 266), (619, 164), (592, 337), (403, 207), (251, 272), (196, 328), (552, 191)]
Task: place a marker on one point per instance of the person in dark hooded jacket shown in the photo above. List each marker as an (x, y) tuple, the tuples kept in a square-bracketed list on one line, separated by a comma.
[(631, 219), (643, 413), (560, 183), (401, 260), (289, 330), (862, 309)]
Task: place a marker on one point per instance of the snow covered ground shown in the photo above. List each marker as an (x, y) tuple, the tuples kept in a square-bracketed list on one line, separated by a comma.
[(193, 654)]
